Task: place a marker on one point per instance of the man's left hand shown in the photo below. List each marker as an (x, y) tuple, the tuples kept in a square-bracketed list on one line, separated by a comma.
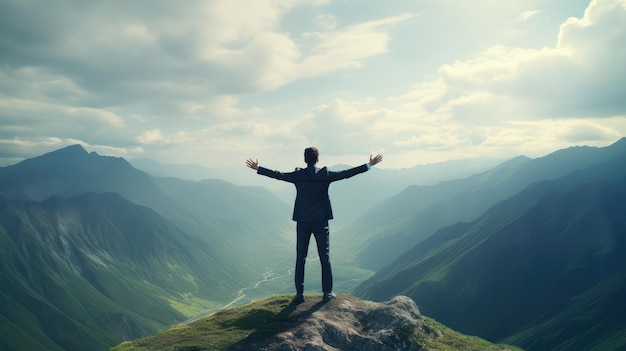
[(254, 164)]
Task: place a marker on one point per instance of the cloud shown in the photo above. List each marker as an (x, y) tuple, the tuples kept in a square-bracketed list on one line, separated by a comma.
[(342, 126), (23, 117), (176, 81), (347, 47), (579, 78), (123, 51), (219, 107), (526, 15), (153, 136), (326, 22), (580, 132), (443, 141), (131, 72), (501, 98)]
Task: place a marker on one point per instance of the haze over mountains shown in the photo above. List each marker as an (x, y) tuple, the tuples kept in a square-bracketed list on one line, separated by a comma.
[(404, 220), (527, 252), (350, 199)]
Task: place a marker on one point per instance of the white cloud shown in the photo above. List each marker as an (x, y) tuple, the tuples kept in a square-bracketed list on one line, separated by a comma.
[(219, 107), (444, 141), (153, 136), (503, 98), (347, 47), (209, 78), (526, 15), (119, 53), (581, 77), (21, 117), (326, 22)]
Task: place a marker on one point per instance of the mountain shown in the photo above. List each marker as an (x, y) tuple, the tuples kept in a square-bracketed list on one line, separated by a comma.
[(195, 207), (249, 223), (544, 269), (87, 272), (347, 323), (71, 171), (355, 196), (255, 227), (380, 235), (230, 238)]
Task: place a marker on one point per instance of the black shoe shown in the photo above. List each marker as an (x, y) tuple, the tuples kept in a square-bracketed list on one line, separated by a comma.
[(299, 298), (329, 296)]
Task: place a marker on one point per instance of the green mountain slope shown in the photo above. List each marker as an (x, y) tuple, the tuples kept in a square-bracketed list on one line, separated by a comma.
[(72, 171), (255, 227), (503, 275), (593, 320), (88, 272), (223, 215), (389, 229)]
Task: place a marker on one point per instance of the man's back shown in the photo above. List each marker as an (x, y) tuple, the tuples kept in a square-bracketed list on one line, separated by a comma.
[(312, 201)]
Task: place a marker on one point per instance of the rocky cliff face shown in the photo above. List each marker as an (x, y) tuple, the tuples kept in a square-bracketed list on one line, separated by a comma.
[(347, 323)]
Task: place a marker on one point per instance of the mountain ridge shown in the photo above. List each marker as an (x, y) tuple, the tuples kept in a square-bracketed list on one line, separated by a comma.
[(119, 272), (55, 277), (419, 211), (72, 171), (552, 243), (67, 196)]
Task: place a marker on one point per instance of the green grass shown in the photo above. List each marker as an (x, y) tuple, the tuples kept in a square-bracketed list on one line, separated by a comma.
[(215, 332), (451, 340)]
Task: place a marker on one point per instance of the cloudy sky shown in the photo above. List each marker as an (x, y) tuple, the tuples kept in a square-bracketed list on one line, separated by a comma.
[(214, 82)]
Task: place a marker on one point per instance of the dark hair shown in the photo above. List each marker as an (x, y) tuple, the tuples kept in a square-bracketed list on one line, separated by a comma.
[(310, 155)]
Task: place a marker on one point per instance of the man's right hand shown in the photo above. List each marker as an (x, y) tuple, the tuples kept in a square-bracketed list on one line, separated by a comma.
[(376, 159)]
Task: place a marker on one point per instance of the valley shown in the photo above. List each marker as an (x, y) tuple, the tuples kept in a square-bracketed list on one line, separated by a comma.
[(509, 253)]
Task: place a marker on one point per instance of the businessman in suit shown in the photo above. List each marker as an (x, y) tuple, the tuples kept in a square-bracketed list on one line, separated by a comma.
[(312, 211)]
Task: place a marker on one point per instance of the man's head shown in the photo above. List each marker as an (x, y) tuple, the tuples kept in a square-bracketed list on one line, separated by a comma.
[(311, 155)]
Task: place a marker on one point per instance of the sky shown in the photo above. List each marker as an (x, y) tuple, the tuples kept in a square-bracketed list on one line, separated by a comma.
[(215, 82)]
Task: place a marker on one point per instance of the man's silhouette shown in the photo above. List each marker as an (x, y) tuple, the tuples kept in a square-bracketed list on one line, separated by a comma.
[(312, 211)]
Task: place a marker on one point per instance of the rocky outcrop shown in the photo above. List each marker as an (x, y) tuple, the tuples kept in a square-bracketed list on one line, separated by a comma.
[(346, 323), (349, 323)]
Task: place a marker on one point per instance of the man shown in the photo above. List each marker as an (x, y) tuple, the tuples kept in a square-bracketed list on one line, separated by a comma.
[(312, 211)]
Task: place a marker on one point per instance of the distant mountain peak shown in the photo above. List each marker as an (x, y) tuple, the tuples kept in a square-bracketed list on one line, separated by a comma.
[(620, 143), (68, 153), (70, 171), (75, 149), (515, 161)]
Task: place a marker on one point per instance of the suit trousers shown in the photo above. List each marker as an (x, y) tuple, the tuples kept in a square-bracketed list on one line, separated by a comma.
[(321, 232)]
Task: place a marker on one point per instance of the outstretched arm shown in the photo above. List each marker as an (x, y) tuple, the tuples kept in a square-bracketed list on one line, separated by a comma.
[(376, 159), (254, 164)]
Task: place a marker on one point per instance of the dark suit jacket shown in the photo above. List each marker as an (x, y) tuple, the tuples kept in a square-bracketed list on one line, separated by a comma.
[(312, 201)]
